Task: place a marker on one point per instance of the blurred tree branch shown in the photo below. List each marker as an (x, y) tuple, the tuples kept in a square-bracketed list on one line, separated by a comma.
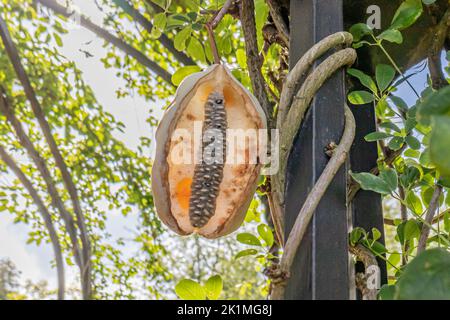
[(108, 37), (147, 25), (11, 164), (84, 254)]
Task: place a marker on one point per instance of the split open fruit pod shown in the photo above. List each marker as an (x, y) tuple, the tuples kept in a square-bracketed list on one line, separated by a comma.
[(207, 160)]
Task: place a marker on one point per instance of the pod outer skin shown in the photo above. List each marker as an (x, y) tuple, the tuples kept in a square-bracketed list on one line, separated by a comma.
[(160, 168)]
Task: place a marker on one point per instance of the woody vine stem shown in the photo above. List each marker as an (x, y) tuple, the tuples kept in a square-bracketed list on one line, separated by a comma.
[(292, 107)]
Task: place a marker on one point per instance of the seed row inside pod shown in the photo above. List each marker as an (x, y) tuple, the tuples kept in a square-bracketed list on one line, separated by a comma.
[(208, 173), (194, 189)]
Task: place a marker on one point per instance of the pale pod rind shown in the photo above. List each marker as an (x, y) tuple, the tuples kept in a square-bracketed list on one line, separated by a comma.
[(170, 177)]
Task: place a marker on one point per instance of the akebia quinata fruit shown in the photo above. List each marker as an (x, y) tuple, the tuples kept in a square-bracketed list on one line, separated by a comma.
[(207, 160)]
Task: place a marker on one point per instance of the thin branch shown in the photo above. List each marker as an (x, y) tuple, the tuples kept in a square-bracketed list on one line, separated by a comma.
[(368, 259), (148, 26), (222, 12), (275, 249), (389, 222), (403, 209), (9, 161), (404, 216), (212, 24), (154, 6), (107, 36), (57, 202), (213, 44), (276, 211), (254, 62), (432, 209), (439, 218), (278, 20), (59, 161), (312, 201)]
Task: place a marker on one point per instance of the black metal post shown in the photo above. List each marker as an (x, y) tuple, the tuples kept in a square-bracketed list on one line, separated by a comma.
[(321, 267), (367, 211)]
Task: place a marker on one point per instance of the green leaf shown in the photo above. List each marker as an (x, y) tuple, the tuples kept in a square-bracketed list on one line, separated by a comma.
[(384, 75), (437, 103), (364, 79), (248, 238), (224, 44), (371, 182), (378, 247), (208, 52), (410, 124), (409, 176), (382, 108), (425, 159), (174, 21), (390, 177), (394, 259), (195, 50), (444, 181), (412, 142), (261, 14), (447, 221), (266, 234), (356, 235), (155, 33), (413, 202), (390, 125), (360, 30), (181, 37), (396, 143), (58, 39), (408, 13), (375, 136), (412, 153), (214, 286), (426, 277), (183, 72), (427, 195), (160, 21), (245, 253), (401, 232), (411, 230), (360, 97), (440, 144), (376, 234), (192, 14), (241, 58), (387, 292), (399, 103), (391, 35), (181, 17), (188, 289)]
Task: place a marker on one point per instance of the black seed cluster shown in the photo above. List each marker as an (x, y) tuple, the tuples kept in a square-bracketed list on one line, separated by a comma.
[(208, 173)]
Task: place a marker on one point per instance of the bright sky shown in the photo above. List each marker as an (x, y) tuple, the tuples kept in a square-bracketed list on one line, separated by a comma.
[(34, 261)]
